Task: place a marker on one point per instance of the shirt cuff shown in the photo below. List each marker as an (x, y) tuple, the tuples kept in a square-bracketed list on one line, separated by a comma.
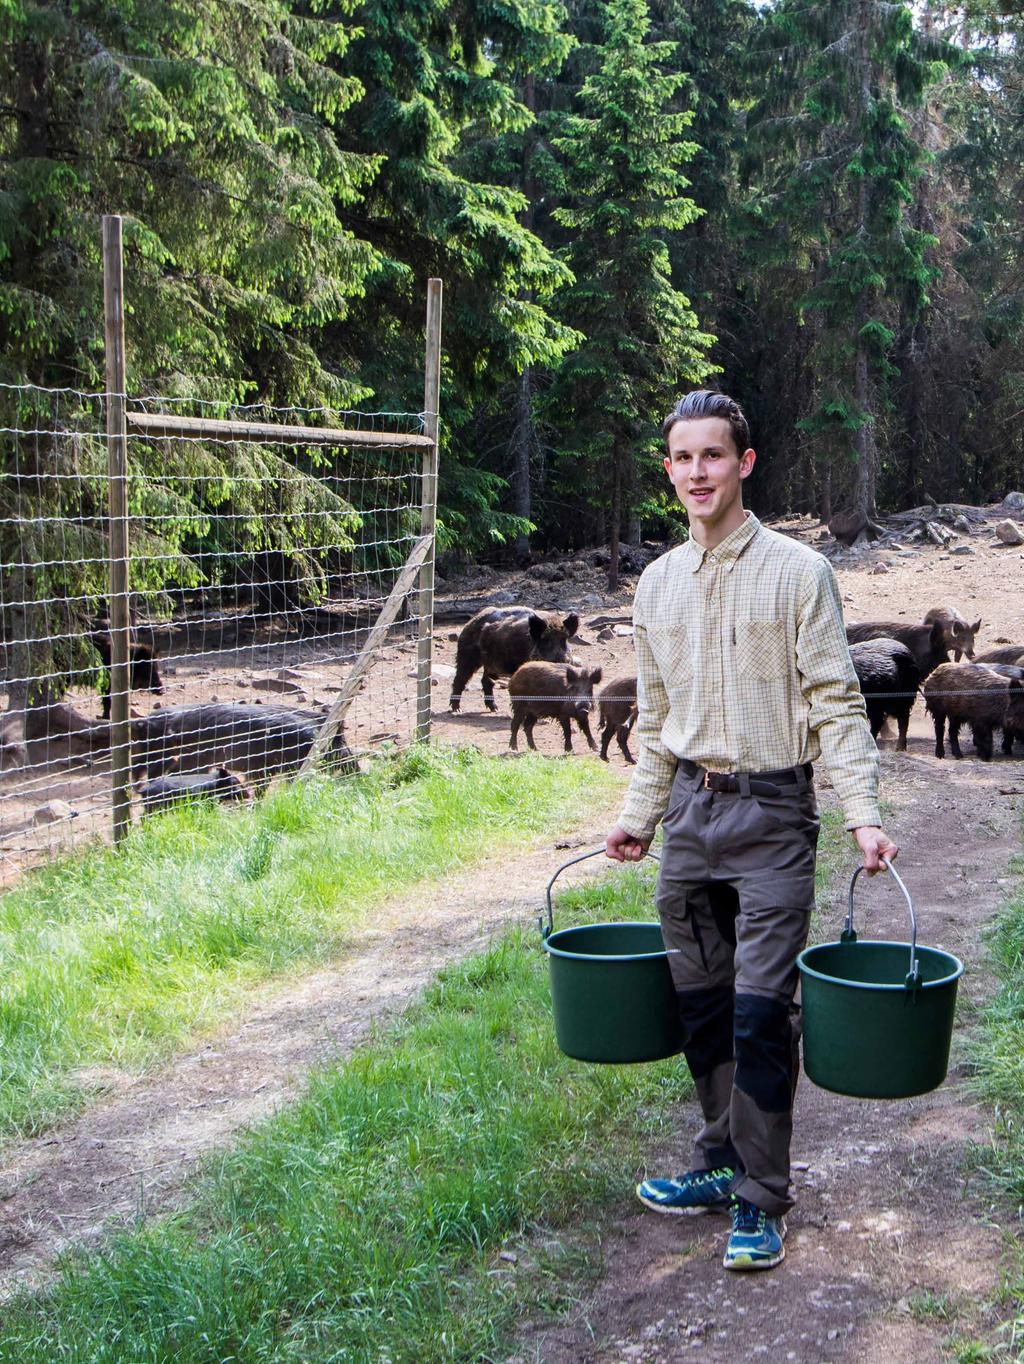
[(861, 812), (636, 831)]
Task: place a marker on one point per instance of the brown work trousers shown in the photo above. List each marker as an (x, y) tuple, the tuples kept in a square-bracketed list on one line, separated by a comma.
[(735, 895)]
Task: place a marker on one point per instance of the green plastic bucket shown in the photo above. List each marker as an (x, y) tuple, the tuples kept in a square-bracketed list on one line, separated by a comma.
[(611, 988), (877, 1016)]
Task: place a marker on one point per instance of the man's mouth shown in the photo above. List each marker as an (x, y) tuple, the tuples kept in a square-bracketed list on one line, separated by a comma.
[(700, 494)]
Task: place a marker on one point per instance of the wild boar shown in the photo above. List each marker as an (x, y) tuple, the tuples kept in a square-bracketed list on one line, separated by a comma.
[(889, 679), (175, 788), (541, 690), (143, 669), (1008, 653), (260, 741), (501, 639), (618, 712), (970, 693), (957, 634), (925, 642)]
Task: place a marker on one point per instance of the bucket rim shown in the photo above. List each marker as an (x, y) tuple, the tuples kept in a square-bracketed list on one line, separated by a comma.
[(879, 985), (604, 956)]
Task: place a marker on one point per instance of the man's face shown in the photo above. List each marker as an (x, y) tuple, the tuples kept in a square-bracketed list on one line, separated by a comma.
[(707, 471)]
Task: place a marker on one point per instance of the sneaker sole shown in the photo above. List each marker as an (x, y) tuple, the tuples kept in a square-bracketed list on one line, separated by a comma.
[(698, 1210), (745, 1264)]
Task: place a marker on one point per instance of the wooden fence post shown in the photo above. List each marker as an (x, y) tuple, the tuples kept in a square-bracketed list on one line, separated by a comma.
[(117, 525), (428, 510)]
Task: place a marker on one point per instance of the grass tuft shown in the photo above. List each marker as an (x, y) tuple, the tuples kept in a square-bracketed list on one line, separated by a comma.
[(116, 958), (365, 1223)]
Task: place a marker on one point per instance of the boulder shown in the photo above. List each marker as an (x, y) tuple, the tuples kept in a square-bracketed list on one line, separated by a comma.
[(1010, 533), (53, 812), (1013, 502)]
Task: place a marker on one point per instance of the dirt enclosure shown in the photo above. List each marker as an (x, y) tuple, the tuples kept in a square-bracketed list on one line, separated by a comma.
[(226, 659), (888, 1218)]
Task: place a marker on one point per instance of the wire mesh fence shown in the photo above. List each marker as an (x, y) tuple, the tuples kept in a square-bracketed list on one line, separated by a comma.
[(260, 558)]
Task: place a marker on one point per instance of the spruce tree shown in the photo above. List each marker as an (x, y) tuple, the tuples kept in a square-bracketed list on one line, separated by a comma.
[(445, 107), (623, 154), (839, 164)]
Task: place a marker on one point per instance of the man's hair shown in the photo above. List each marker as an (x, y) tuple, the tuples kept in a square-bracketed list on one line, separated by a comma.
[(704, 403)]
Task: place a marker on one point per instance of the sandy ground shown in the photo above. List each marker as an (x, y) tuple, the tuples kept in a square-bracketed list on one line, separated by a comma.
[(884, 1210)]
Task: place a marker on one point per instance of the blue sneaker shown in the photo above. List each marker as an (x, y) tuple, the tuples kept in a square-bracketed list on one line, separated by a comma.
[(756, 1241), (696, 1192)]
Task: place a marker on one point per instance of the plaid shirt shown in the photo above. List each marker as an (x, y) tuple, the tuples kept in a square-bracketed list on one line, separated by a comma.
[(743, 666)]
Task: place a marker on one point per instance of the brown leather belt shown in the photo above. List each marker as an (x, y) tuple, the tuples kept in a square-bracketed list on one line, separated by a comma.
[(750, 783)]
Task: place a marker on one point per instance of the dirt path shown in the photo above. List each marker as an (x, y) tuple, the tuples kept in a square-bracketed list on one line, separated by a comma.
[(134, 1152), (885, 1217)]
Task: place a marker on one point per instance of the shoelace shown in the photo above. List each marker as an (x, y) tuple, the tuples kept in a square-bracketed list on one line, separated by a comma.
[(712, 1177), (746, 1217)]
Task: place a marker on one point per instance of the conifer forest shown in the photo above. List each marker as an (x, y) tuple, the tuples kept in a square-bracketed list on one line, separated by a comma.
[(815, 207)]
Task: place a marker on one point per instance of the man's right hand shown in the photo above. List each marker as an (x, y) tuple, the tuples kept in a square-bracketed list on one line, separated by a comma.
[(623, 847)]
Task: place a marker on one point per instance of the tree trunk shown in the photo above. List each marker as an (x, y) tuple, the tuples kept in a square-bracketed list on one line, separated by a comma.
[(616, 515), (523, 434), (864, 440), (522, 443)]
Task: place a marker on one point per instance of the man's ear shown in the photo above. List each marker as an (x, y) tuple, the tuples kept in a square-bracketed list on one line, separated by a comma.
[(747, 461)]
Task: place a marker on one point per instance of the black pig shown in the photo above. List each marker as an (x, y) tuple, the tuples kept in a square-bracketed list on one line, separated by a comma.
[(1009, 653), (143, 669), (958, 634), (174, 788), (501, 639), (925, 642), (889, 679), (260, 741)]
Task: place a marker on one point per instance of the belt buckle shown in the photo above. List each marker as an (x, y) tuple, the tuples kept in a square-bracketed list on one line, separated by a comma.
[(708, 774)]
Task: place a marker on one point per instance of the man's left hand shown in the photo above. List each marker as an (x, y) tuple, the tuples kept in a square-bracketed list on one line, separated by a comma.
[(875, 844)]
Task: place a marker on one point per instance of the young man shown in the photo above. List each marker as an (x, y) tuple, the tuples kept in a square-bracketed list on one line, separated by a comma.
[(744, 680)]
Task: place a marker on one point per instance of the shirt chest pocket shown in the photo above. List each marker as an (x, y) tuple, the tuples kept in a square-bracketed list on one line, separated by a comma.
[(673, 652), (761, 650)]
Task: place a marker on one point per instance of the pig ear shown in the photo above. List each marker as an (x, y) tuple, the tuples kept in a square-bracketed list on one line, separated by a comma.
[(937, 635), (222, 772), (573, 674), (537, 625), (595, 675), (977, 625), (572, 624)]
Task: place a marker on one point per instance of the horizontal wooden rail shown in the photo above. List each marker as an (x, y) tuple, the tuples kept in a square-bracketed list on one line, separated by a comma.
[(214, 428)]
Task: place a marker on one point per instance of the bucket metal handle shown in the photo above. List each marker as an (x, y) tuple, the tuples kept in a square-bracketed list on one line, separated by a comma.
[(547, 928), (849, 935)]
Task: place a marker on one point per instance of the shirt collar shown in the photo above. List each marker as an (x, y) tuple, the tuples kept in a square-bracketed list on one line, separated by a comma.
[(727, 550)]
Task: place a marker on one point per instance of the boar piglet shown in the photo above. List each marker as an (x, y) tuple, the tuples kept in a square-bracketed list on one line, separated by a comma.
[(541, 690), (925, 642), (888, 678), (971, 694), (957, 633), (501, 639), (618, 715), (174, 788)]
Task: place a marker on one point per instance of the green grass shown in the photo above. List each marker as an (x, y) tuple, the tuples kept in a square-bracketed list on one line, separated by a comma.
[(996, 1053), (114, 959), (364, 1223)]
